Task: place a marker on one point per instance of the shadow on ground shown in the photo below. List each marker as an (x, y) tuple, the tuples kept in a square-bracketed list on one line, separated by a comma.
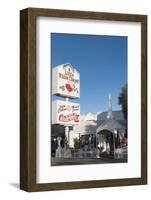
[(16, 185)]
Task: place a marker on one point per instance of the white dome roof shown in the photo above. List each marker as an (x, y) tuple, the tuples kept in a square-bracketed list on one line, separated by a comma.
[(90, 116)]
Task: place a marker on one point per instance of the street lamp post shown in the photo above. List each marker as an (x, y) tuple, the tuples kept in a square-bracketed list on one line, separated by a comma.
[(115, 132), (96, 139), (55, 145)]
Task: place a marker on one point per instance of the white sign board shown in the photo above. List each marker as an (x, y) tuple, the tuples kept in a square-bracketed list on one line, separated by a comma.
[(66, 81), (65, 113)]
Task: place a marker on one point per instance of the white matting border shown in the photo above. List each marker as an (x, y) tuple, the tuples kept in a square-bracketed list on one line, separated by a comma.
[(46, 173)]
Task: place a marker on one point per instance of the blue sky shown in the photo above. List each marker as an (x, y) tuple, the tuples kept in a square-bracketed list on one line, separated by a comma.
[(101, 62)]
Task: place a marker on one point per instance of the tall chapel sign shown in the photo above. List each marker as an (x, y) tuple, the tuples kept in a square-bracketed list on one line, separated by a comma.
[(65, 83)]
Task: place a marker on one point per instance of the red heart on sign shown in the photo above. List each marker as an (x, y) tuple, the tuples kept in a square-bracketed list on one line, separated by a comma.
[(69, 88)]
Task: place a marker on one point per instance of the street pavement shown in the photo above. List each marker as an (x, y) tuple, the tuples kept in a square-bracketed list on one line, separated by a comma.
[(80, 161)]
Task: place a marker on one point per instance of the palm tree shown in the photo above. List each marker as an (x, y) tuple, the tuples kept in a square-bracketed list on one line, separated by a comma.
[(123, 100)]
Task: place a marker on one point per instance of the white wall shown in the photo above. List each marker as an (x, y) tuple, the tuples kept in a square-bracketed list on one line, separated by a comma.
[(9, 101)]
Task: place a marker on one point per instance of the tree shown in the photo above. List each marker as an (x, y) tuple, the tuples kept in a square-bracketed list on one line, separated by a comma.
[(76, 143), (123, 100)]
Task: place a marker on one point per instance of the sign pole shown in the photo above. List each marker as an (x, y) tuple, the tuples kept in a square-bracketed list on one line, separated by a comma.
[(67, 134), (67, 127), (66, 83)]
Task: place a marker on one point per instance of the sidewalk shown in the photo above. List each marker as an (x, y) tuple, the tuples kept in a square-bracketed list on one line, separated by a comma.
[(80, 161)]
